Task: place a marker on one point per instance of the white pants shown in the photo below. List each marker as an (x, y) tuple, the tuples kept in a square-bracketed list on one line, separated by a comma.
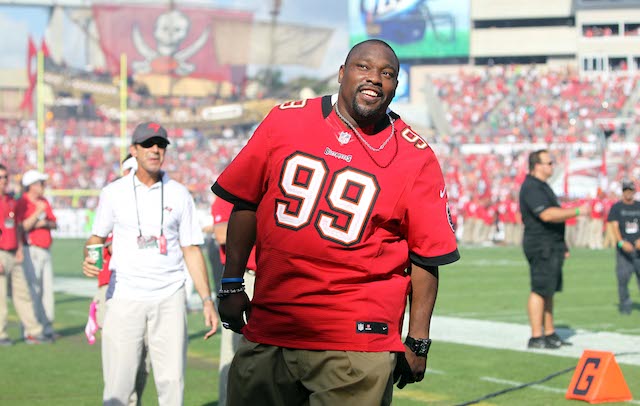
[(229, 343), (125, 324), (39, 272)]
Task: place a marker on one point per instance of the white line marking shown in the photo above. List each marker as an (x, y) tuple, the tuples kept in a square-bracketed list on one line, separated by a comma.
[(516, 383), (495, 334)]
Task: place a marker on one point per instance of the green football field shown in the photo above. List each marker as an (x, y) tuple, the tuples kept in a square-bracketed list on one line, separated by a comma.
[(486, 284)]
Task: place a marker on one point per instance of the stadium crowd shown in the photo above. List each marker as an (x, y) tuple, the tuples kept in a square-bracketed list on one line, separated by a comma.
[(497, 115)]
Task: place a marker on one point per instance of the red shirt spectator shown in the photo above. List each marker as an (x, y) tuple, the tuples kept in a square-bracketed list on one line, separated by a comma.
[(471, 210), (597, 209), (40, 237), (8, 230)]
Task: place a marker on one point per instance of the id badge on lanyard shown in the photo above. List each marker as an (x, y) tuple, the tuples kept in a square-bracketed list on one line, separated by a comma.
[(162, 241), (150, 242), (10, 221)]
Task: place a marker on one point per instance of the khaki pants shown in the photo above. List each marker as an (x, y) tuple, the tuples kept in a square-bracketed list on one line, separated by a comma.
[(123, 341), (39, 272), (571, 235), (267, 375), (14, 276), (229, 343), (512, 234), (145, 364), (582, 232), (596, 237), (609, 238), (468, 231)]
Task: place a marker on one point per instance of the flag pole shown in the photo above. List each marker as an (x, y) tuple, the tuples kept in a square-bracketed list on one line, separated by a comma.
[(123, 108), (40, 110)]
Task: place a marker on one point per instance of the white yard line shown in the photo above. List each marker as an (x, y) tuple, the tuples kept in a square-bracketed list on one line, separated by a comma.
[(479, 333), (501, 335), (516, 383)]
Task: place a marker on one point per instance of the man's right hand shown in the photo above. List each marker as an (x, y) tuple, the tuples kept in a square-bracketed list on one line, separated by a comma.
[(627, 247), (232, 309), (41, 206), (89, 269), (585, 210)]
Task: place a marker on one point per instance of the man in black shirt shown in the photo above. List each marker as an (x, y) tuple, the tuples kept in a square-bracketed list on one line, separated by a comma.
[(544, 246), (624, 223)]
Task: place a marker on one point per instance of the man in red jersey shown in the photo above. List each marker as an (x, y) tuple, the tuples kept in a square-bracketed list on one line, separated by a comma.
[(36, 216), (347, 206), (11, 271)]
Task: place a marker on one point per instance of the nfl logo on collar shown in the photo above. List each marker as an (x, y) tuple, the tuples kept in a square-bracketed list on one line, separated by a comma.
[(344, 138)]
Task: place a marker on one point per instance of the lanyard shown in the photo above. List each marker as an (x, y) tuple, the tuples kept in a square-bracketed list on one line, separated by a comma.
[(135, 196)]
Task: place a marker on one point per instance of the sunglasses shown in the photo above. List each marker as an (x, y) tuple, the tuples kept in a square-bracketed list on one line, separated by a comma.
[(162, 144)]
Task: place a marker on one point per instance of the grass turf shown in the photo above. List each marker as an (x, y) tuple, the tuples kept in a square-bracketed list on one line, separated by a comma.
[(487, 284)]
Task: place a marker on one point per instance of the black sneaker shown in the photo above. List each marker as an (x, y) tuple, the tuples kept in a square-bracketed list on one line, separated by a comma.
[(537, 342), (554, 341)]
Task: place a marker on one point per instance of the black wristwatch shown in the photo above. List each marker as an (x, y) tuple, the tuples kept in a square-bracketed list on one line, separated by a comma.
[(420, 346)]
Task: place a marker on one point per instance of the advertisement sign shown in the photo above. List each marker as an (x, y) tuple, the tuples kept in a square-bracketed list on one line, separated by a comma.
[(416, 29)]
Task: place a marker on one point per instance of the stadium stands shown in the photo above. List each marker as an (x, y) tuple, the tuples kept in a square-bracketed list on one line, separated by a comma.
[(497, 115)]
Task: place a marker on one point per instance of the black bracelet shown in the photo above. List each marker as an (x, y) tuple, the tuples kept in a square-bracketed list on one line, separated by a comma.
[(222, 293)]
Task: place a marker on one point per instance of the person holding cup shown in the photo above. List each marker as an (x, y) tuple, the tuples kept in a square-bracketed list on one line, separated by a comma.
[(155, 232)]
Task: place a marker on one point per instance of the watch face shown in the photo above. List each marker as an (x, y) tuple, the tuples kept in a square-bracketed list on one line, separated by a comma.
[(422, 347), (420, 350), (419, 346)]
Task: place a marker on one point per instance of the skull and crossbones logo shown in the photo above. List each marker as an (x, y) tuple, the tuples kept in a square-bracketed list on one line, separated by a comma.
[(171, 29)]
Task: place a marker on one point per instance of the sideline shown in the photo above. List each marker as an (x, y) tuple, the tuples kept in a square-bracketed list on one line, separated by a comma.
[(501, 335), (478, 333)]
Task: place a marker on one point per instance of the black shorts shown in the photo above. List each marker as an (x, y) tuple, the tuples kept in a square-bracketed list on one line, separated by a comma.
[(545, 268)]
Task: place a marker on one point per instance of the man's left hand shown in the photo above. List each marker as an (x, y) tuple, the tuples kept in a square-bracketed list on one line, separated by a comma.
[(232, 309), (210, 318), (410, 368)]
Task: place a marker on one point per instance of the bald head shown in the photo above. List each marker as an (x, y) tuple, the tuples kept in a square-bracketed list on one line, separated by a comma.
[(357, 47)]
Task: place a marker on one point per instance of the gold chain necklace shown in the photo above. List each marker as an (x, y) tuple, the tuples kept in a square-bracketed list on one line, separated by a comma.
[(381, 147)]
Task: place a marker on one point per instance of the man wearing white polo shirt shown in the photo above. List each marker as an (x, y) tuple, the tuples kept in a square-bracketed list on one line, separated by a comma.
[(155, 232)]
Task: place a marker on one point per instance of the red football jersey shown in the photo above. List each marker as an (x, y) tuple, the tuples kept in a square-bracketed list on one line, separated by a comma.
[(337, 226), (8, 223)]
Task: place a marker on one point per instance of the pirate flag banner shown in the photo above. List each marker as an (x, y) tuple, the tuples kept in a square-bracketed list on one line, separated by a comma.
[(175, 41)]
